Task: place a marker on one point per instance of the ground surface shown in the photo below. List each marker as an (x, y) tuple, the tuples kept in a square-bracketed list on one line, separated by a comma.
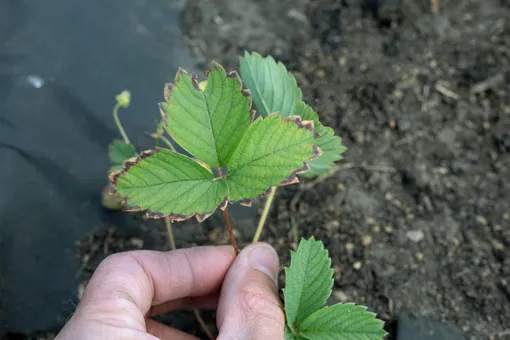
[(417, 216), (422, 199)]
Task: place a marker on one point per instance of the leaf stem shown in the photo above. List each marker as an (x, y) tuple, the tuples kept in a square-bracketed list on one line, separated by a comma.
[(202, 324), (119, 125), (171, 239), (170, 233), (168, 143), (230, 232), (263, 217)]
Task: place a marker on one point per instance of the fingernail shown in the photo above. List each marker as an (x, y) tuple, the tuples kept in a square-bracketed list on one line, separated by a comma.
[(265, 259)]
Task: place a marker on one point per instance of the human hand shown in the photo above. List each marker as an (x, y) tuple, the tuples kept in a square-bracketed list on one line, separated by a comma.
[(129, 288)]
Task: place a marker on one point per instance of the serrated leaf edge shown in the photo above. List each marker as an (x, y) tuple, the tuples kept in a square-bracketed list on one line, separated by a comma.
[(278, 64), (200, 217), (196, 84), (293, 254), (365, 310), (292, 179)]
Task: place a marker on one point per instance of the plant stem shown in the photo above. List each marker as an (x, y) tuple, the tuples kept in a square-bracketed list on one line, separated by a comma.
[(119, 125), (171, 239), (263, 217), (167, 142), (202, 324), (170, 232), (230, 232)]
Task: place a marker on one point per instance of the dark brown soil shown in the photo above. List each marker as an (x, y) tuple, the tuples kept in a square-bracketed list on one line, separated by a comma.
[(417, 216)]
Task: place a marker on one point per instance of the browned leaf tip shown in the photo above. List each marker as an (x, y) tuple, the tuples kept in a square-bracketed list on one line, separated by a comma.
[(292, 179), (129, 208), (167, 93), (245, 202), (305, 124), (316, 153), (223, 205), (266, 193), (305, 168), (202, 217), (195, 82)]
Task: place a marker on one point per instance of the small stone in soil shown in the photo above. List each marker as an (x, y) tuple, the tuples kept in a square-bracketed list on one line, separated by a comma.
[(340, 296), (357, 265), (332, 225), (482, 220), (419, 257), (415, 235), (136, 242), (366, 240), (388, 229)]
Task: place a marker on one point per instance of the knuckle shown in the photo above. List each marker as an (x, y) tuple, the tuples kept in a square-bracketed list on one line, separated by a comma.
[(115, 260)]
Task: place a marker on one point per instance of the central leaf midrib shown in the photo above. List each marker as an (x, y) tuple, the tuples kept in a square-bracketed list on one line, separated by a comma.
[(210, 127)]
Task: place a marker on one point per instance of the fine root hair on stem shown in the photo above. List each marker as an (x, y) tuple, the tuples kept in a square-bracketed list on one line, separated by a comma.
[(230, 231)]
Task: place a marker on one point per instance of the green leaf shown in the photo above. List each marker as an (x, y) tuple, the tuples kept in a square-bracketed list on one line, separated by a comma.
[(235, 159), (169, 184), (209, 123), (328, 142), (272, 87), (271, 153), (308, 281), (288, 334), (306, 112), (119, 151), (342, 321), (332, 148)]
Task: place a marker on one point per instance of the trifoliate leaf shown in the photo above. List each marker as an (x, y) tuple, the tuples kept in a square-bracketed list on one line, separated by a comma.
[(342, 321), (308, 281), (235, 159), (209, 123), (272, 87), (119, 151), (328, 142), (169, 184)]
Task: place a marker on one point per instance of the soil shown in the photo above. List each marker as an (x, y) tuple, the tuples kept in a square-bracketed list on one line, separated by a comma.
[(417, 216)]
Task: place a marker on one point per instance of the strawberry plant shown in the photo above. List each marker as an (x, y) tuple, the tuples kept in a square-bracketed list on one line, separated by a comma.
[(234, 154)]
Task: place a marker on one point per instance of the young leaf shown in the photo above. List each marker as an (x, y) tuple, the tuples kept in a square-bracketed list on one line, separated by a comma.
[(272, 87), (308, 281), (236, 160), (342, 321), (169, 184), (119, 151), (209, 123), (328, 142)]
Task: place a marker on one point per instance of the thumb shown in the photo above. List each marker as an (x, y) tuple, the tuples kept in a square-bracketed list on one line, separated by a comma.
[(249, 307)]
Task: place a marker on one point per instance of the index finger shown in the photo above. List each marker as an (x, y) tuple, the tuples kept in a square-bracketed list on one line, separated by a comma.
[(147, 278)]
